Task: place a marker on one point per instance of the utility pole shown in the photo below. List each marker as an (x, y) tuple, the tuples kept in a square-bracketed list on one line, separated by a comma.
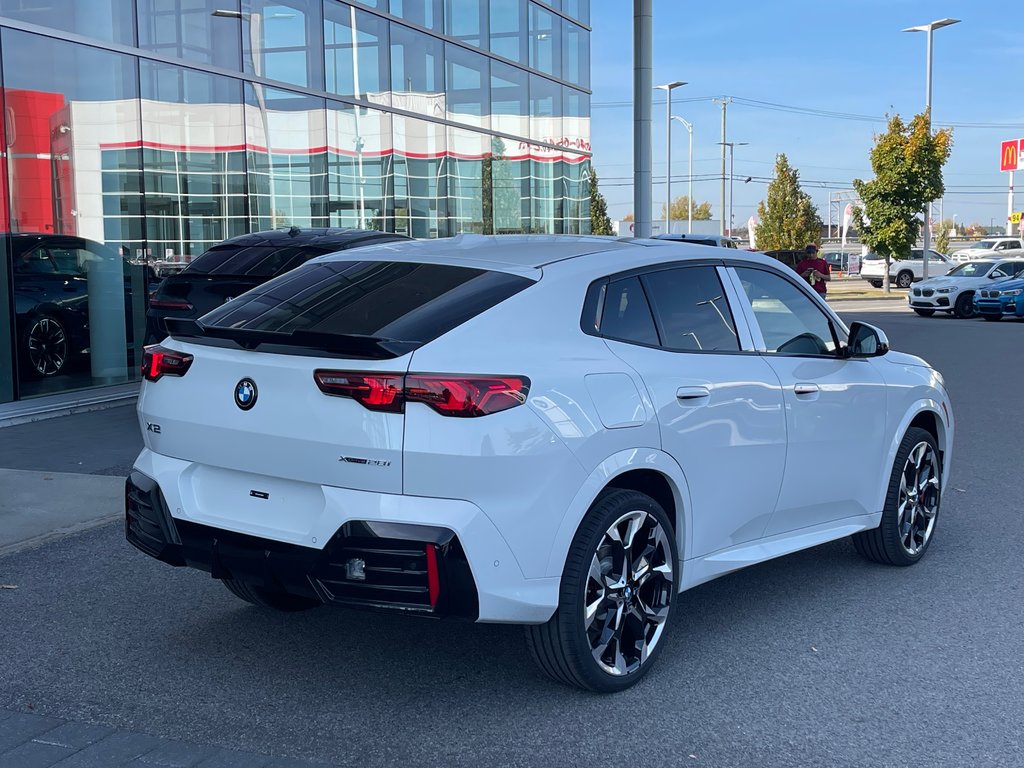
[(642, 85), (721, 225)]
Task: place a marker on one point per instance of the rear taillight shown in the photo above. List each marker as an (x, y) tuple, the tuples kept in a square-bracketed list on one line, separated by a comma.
[(169, 304), (378, 393), (158, 361), (459, 396), (467, 396)]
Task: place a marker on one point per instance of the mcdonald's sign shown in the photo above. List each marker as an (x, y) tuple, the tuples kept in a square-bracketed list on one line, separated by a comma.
[(1010, 154)]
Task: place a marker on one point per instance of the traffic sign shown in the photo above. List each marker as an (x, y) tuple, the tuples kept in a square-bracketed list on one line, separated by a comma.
[(1015, 217)]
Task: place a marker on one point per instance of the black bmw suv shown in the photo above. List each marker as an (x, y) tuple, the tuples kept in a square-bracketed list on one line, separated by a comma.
[(241, 263)]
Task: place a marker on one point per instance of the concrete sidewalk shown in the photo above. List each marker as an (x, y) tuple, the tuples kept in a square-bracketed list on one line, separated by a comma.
[(64, 475), (36, 507)]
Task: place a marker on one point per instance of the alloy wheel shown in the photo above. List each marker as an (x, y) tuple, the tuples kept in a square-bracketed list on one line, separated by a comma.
[(47, 346), (628, 592), (918, 498)]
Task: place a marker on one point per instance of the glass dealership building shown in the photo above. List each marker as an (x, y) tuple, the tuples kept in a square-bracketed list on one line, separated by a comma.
[(144, 131)]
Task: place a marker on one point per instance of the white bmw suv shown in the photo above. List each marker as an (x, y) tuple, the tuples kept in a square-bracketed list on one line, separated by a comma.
[(561, 432)]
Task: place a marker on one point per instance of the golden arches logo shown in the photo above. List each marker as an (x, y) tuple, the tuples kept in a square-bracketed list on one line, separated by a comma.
[(1008, 159)]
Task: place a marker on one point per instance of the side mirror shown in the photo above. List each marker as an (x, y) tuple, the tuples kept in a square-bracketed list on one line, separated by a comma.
[(866, 341)]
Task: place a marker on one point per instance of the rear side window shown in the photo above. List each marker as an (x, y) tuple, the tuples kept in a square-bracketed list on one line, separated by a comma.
[(690, 310), (253, 260), (388, 300), (626, 315)]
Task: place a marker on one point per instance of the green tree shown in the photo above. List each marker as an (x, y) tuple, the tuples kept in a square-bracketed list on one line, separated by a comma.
[(789, 220), (600, 224), (907, 160), (681, 210)]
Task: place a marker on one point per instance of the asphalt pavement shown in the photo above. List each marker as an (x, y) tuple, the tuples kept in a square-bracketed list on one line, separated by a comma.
[(819, 658)]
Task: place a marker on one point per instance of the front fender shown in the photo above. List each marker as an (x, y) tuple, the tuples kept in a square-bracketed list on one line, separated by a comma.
[(612, 467)]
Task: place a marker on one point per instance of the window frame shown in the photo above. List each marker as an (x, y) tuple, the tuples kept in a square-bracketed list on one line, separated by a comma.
[(836, 325), (594, 299)]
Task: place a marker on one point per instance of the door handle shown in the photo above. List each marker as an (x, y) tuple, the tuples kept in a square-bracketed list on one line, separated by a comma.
[(805, 389), (693, 394)]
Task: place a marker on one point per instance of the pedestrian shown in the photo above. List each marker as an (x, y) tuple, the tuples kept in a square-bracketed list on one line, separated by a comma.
[(814, 269)]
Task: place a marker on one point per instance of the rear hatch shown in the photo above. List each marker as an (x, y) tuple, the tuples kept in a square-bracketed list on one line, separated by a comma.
[(296, 380)]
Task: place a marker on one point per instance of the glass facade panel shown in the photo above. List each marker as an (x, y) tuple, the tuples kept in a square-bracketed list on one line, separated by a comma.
[(110, 20), (545, 110), (356, 51), (188, 29), (545, 41), (575, 54), (425, 13), (468, 80), (286, 158), (421, 187), (121, 168), (467, 20), (577, 9), (417, 69), (191, 123), (75, 308), (359, 168), (283, 40), (467, 209), (510, 29)]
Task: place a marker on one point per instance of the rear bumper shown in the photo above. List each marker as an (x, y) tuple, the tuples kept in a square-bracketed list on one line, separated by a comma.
[(474, 574)]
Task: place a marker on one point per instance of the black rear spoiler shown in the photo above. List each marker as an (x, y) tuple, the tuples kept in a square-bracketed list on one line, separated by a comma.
[(294, 342)]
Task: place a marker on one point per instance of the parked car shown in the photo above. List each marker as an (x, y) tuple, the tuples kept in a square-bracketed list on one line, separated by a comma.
[(233, 267), (530, 429), (719, 241), (51, 298), (989, 248), (1003, 300), (904, 272), (954, 292), (788, 257), (838, 261)]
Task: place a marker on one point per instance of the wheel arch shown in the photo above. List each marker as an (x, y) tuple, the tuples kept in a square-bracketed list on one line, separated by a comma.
[(926, 414), (648, 470)]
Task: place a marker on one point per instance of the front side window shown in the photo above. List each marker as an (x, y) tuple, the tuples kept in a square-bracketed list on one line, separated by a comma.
[(690, 309), (790, 322)]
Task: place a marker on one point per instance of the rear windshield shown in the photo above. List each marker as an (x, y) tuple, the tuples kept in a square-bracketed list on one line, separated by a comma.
[(389, 301), (253, 260)]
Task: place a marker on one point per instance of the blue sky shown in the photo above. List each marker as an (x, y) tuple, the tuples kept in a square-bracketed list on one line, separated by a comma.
[(848, 57)]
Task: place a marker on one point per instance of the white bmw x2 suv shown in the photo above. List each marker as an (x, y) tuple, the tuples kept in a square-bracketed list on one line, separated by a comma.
[(562, 432)]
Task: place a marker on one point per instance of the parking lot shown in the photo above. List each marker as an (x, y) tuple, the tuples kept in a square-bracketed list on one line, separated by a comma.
[(818, 658)]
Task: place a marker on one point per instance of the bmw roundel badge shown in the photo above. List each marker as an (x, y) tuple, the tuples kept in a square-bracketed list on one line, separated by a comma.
[(245, 394)]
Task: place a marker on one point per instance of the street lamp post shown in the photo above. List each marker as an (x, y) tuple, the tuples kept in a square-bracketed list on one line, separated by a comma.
[(732, 156), (689, 174), (930, 29), (668, 88)]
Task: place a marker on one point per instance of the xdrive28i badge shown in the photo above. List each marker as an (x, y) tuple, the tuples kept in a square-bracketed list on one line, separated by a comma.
[(245, 394)]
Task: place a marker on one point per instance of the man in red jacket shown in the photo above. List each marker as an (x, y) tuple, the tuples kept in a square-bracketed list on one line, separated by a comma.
[(814, 270)]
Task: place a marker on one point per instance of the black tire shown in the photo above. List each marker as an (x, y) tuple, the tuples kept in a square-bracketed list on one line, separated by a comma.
[(564, 647), (904, 279), (45, 350), (876, 283), (268, 598), (993, 318), (924, 312), (888, 543), (964, 306)]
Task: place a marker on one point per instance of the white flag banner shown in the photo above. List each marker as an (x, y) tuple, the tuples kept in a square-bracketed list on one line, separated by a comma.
[(752, 228), (847, 220)]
